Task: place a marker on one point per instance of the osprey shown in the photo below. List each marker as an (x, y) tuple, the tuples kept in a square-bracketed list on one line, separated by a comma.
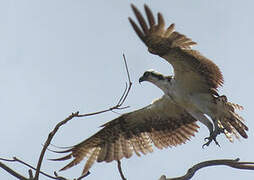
[(196, 78), (170, 120)]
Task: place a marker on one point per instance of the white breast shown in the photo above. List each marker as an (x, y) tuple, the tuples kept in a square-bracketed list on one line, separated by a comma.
[(189, 101)]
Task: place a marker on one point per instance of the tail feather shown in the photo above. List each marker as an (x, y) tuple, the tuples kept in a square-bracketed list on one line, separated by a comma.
[(236, 122), (239, 128), (227, 126), (236, 106), (231, 121)]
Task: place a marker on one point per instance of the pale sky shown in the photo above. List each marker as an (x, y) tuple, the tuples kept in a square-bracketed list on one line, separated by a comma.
[(62, 56)]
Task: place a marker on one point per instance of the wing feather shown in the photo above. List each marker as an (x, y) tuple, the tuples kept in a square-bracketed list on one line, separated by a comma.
[(162, 123), (140, 18), (91, 159), (194, 71), (149, 15), (135, 146), (117, 150), (103, 153)]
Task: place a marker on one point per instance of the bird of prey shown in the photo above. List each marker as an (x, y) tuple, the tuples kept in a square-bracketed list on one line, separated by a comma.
[(170, 120), (196, 78)]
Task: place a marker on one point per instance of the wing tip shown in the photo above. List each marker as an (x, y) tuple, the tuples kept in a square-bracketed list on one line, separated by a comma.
[(69, 156)]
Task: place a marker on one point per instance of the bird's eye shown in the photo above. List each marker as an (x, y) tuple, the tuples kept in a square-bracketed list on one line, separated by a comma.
[(160, 77)]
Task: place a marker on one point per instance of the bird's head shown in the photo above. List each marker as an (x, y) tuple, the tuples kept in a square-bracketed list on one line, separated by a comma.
[(159, 80), (154, 77), (151, 76)]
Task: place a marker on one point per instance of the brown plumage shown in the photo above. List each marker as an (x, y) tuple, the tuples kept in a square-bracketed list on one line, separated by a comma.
[(189, 65), (196, 78), (234, 123), (162, 123), (171, 120)]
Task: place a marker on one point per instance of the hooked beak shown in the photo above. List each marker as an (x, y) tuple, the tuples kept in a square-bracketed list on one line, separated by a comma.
[(141, 79)]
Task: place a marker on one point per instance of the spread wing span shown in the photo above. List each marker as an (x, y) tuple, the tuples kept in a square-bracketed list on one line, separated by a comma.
[(161, 123), (192, 70)]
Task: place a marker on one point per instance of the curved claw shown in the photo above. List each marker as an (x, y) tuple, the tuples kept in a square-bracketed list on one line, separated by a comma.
[(211, 138)]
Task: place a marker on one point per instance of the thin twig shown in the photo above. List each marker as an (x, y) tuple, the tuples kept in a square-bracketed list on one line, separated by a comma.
[(50, 137), (30, 172), (129, 80), (120, 170), (12, 172), (8, 160), (122, 98), (15, 159), (234, 163)]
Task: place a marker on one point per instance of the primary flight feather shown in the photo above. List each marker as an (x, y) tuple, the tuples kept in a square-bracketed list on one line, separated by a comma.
[(161, 123)]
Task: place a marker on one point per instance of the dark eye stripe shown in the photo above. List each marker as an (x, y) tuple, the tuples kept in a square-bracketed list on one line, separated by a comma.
[(158, 76), (168, 78)]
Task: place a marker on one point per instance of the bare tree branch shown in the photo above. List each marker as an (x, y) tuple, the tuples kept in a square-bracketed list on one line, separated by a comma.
[(51, 135), (122, 99), (12, 172), (15, 159), (120, 170), (234, 163), (118, 106), (47, 143), (191, 172)]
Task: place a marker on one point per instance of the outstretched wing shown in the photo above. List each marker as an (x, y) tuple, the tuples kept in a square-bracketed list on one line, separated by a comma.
[(192, 70), (162, 123)]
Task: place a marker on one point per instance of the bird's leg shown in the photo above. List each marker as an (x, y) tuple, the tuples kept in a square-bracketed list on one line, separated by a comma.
[(211, 138), (213, 135)]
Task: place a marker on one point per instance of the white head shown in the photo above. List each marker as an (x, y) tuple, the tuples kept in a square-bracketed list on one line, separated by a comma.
[(156, 78)]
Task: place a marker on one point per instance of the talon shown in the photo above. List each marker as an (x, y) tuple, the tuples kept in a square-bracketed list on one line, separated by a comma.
[(211, 138), (206, 144), (216, 142), (206, 139)]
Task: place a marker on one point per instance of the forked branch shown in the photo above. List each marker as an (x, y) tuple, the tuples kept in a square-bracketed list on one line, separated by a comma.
[(190, 173), (234, 163), (122, 99), (118, 106)]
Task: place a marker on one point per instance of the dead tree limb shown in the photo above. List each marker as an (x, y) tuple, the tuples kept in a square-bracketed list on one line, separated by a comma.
[(120, 170), (15, 159), (12, 172), (122, 99), (76, 114), (118, 106), (190, 173), (234, 163)]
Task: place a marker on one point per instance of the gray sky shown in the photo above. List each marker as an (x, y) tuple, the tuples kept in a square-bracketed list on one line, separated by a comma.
[(60, 56)]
